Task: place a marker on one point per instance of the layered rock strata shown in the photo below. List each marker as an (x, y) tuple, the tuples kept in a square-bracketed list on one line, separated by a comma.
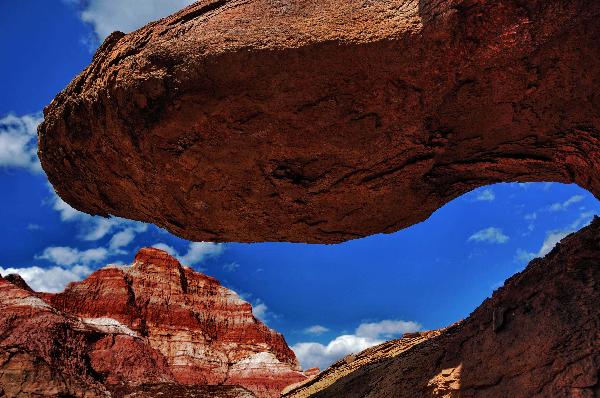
[(253, 120), (47, 353), (538, 336), (151, 327)]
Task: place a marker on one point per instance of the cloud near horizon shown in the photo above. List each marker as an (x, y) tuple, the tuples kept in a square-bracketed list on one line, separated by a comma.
[(313, 354), (553, 237), (50, 280)]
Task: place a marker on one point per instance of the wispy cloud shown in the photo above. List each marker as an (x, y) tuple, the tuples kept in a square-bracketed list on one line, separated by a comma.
[(261, 311), (313, 354), (487, 195), (561, 206), (523, 256), (531, 216), (18, 142), (553, 237), (489, 235), (95, 228), (316, 330), (231, 267), (196, 252)]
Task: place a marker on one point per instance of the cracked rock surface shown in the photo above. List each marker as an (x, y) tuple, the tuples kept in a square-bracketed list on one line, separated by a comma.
[(538, 336), (323, 121)]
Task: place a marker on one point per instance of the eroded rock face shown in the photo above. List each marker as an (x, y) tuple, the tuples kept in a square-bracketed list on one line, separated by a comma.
[(325, 121), (47, 353), (536, 337), (153, 328), (205, 332)]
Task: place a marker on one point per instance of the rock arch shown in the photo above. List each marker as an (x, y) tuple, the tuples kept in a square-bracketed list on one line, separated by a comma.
[(326, 121)]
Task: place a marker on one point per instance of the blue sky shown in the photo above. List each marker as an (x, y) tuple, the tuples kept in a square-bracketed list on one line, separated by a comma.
[(328, 300)]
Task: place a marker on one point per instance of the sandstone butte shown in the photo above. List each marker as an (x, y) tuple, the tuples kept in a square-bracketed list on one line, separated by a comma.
[(323, 121), (153, 327), (537, 337)]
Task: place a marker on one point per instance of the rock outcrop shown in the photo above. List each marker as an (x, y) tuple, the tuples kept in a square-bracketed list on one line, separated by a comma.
[(536, 337), (47, 353), (151, 327), (254, 120)]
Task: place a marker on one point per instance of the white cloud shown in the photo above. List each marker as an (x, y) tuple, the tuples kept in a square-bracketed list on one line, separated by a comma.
[(487, 195), (312, 354), (555, 236), (18, 142), (260, 310), (93, 228), (489, 235), (107, 16), (67, 213), (197, 251), (387, 329), (531, 216), (552, 238), (169, 249), (524, 256), (582, 220), (126, 236), (62, 255), (565, 205), (230, 267), (316, 329), (96, 228), (317, 355), (51, 280)]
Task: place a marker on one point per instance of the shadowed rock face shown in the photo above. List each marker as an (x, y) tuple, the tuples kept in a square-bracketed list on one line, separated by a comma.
[(536, 337), (325, 121)]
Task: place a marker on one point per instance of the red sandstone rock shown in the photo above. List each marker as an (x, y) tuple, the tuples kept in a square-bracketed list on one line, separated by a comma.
[(324, 121), (536, 337), (141, 331), (18, 281), (205, 332)]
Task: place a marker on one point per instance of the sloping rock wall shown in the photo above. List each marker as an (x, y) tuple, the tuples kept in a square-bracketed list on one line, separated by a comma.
[(538, 336)]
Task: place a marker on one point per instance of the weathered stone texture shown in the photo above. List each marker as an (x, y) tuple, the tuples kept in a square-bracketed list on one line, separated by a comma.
[(323, 121)]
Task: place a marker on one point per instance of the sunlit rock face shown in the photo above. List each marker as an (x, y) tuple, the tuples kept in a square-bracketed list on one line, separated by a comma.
[(204, 331), (536, 337), (326, 121), (150, 328)]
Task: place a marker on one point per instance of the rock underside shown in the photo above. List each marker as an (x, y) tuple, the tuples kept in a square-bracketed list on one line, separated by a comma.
[(537, 337), (261, 120), (134, 330)]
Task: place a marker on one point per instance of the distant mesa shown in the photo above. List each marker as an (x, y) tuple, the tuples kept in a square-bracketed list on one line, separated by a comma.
[(155, 326), (326, 121)]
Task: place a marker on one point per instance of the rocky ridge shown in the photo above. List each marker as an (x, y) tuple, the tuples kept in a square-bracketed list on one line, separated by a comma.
[(252, 120), (538, 336), (153, 323)]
